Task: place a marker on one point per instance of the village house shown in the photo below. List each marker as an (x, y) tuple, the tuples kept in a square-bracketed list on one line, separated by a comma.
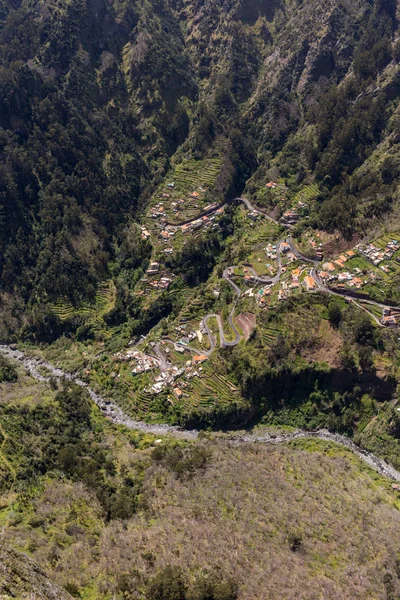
[(199, 358), (153, 269), (309, 283), (328, 266), (389, 321), (284, 247), (253, 215), (197, 224), (290, 217)]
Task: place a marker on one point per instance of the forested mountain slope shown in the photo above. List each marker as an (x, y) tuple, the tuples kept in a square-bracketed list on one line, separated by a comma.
[(97, 99)]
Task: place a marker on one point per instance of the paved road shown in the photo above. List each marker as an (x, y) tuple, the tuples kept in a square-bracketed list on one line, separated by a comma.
[(253, 208), (299, 255), (323, 288), (244, 201), (223, 342), (116, 415), (164, 364)]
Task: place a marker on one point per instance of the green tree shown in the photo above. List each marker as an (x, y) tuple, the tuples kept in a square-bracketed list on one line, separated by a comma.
[(334, 314), (168, 584)]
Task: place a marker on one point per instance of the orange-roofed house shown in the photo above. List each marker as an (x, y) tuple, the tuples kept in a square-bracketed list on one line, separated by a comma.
[(350, 253), (270, 185), (284, 247), (194, 195), (296, 272), (310, 283), (339, 263), (199, 358), (329, 266), (177, 393)]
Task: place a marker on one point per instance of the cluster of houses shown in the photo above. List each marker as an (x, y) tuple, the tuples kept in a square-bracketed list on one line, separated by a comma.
[(295, 278), (207, 221), (343, 278), (271, 251), (185, 337), (378, 255), (158, 210), (339, 262), (168, 378), (141, 362), (161, 283), (333, 272), (165, 379), (318, 248)]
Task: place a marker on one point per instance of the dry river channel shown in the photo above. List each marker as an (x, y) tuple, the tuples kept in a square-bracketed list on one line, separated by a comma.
[(44, 371)]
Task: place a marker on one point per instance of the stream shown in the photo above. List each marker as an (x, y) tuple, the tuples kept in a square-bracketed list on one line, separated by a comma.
[(116, 415)]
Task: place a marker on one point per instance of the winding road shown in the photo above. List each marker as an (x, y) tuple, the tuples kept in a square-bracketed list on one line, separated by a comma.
[(253, 208), (35, 367)]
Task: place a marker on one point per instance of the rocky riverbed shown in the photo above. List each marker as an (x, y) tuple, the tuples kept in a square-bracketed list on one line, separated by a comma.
[(37, 368)]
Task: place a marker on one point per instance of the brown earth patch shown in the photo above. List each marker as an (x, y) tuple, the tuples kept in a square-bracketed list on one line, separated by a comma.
[(247, 323), (338, 244)]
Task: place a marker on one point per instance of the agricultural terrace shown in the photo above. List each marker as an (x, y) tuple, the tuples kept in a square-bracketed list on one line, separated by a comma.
[(186, 190), (93, 313)]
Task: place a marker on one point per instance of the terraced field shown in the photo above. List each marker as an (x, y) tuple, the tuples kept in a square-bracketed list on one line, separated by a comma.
[(269, 334), (210, 391), (190, 174), (258, 235), (306, 194), (93, 313)]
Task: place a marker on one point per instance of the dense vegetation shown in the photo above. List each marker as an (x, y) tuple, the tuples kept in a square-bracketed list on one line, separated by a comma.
[(97, 101), (73, 449)]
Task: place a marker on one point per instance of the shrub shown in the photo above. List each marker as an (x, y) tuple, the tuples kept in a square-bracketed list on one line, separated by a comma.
[(168, 584), (7, 371)]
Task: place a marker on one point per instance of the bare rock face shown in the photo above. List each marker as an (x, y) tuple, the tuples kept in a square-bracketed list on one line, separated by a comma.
[(21, 578)]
